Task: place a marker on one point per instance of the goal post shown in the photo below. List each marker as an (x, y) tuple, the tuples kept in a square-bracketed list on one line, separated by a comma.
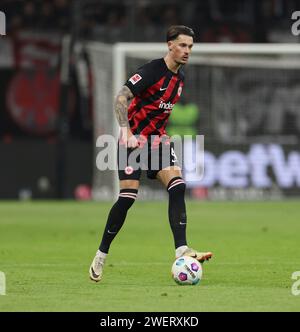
[(242, 97)]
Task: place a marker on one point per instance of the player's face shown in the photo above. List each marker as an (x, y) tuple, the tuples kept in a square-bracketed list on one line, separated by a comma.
[(180, 48)]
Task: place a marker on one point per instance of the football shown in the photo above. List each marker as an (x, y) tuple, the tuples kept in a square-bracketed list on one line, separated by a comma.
[(186, 271)]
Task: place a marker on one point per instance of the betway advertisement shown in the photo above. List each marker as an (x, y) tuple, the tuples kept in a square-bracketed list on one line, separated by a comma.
[(257, 171)]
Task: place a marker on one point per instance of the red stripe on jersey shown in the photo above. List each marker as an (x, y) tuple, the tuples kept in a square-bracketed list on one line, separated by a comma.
[(143, 108), (154, 88), (132, 109), (170, 88), (152, 128), (164, 116), (162, 130), (164, 97), (139, 116)]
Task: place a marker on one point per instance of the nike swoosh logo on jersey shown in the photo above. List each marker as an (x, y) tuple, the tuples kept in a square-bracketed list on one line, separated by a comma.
[(163, 89), (109, 232)]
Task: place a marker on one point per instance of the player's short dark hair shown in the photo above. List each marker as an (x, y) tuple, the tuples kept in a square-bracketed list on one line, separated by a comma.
[(175, 30)]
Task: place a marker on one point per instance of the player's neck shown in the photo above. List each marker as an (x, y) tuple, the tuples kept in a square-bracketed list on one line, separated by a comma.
[(171, 64)]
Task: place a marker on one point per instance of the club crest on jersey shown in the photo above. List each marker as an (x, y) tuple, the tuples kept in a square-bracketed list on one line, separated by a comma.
[(179, 91), (135, 78)]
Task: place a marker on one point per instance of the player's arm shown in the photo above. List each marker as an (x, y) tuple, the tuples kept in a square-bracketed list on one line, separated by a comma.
[(123, 99)]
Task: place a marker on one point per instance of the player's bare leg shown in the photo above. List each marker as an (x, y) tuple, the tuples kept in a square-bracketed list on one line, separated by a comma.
[(171, 178), (116, 218)]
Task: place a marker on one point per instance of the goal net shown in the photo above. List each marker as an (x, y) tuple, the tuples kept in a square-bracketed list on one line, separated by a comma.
[(244, 98)]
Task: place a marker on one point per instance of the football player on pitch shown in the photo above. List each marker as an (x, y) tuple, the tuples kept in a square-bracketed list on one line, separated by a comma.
[(143, 107)]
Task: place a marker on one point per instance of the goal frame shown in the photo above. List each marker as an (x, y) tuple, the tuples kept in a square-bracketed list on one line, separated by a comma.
[(150, 51)]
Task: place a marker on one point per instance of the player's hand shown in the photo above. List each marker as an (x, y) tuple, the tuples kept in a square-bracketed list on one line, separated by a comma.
[(129, 139)]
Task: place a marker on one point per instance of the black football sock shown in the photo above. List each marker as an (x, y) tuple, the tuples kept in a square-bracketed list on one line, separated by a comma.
[(117, 217), (177, 211)]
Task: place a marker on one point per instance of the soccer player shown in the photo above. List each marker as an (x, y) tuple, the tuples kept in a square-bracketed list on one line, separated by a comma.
[(143, 107)]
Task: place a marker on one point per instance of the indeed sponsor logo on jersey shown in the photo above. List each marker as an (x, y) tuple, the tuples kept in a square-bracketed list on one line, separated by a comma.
[(166, 106)]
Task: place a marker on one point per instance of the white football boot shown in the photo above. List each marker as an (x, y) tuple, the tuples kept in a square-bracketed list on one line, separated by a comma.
[(200, 256), (96, 269)]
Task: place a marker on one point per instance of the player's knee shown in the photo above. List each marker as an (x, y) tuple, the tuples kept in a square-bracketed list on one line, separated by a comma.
[(176, 186), (133, 184), (127, 197)]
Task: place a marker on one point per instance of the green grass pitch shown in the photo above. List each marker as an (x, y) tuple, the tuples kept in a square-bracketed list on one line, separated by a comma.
[(46, 249)]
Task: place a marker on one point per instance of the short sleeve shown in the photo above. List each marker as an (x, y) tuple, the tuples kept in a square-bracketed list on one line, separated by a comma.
[(140, 80)]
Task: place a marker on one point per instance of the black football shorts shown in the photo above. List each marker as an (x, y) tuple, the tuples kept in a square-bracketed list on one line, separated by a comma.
[(151, 158)]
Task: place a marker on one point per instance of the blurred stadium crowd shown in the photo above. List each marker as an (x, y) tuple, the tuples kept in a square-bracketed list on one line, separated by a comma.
[(144, 20)]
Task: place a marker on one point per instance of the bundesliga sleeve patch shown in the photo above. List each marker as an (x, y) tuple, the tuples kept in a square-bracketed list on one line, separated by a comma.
[(135, 78)]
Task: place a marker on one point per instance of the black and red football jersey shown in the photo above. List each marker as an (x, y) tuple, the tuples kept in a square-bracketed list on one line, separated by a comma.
[(156, 90)]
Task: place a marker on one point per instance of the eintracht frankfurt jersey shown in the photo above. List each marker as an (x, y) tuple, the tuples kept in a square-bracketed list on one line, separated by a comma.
[(156, 90)]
